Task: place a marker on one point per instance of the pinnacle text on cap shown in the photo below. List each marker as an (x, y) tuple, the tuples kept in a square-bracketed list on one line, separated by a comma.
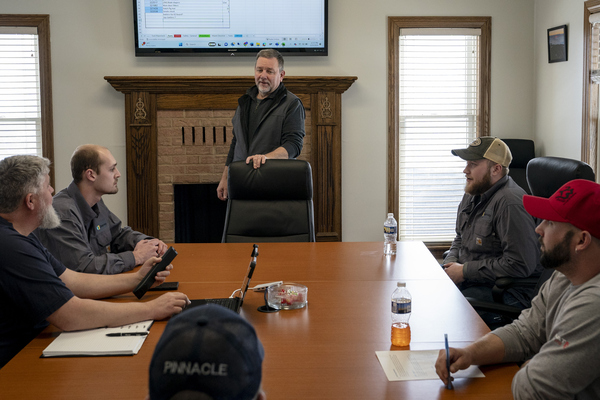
[(190, 368)]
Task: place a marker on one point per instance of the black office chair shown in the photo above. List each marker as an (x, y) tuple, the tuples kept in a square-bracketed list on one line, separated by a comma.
[(545, 175), (270, 204), (522, 150)]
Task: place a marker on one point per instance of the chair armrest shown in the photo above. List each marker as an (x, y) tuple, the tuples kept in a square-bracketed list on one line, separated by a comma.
[(503, 309), (507, 282)]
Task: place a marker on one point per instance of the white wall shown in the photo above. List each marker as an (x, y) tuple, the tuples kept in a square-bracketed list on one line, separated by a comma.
[(93, 39), (559, 86)]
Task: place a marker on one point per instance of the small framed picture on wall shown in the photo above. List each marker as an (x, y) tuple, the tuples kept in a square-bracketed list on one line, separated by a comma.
[(557, 44)]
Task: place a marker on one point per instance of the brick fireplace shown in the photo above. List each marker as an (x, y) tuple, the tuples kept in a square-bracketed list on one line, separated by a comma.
[(178, 131), (192, 148)]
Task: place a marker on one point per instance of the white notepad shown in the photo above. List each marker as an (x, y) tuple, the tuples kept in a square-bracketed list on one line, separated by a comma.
[(94, 342), (413, 365)]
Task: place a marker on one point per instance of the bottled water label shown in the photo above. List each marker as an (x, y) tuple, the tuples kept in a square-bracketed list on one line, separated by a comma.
[(401, 306), (389, 230)]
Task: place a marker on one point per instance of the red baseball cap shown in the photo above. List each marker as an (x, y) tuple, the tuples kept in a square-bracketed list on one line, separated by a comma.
[(576, 202)]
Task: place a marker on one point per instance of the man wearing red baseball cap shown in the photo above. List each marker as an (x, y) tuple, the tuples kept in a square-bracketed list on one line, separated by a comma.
[(558, 337)]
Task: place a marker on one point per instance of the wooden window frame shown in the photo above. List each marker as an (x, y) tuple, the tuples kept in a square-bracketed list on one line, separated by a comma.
[(589, 125), (394, 26), (42, 23)]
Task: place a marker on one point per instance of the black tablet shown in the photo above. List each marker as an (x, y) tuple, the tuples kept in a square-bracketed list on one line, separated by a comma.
[(148, 280), (165, 286)]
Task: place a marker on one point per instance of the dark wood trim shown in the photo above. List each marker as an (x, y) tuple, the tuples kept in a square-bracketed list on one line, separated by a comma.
[(42, 23), (393, 144), (225, 84), (394, 26), (146, 94), (589, 124)]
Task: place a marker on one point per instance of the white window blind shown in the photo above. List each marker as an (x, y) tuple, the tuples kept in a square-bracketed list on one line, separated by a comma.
[(20, 109), (439, 72)]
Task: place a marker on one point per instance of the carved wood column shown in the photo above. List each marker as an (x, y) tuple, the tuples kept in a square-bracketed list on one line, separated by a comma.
[(327, 163), (145, 95), (142, 167)]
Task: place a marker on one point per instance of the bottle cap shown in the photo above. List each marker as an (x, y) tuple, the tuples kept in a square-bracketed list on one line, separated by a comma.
[(390, 215), (401, 284)]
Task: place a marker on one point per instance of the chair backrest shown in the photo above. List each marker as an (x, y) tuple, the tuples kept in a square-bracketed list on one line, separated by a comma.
[(545, 175), (270, 204), (522, 150)]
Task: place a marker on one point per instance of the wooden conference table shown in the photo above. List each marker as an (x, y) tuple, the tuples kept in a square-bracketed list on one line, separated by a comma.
[(324, 351)]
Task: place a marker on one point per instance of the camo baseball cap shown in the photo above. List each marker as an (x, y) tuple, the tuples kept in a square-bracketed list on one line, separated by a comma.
[(488, 147)]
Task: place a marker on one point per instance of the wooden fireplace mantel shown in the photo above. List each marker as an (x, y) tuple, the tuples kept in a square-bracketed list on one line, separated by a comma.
[(144, 95)]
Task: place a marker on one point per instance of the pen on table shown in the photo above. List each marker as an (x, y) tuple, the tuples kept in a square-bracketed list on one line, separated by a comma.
[(449, 385), (117, 334)]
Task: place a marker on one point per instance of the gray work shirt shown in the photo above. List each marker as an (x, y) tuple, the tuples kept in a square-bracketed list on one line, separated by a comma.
[(561, 331), (89, 239), (495, 237)]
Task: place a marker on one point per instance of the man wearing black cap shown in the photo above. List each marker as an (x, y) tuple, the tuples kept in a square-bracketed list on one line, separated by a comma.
[(207, 352), (559, 334), (495, 237)]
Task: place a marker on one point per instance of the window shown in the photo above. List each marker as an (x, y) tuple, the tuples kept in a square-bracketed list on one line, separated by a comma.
[(25, 88), (439, 100), (590, 141)]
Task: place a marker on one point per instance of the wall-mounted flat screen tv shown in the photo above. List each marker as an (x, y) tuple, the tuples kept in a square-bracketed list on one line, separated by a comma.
[(230, 27)]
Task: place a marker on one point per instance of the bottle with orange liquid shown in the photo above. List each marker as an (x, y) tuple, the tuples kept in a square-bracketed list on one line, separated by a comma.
[(401, 308)]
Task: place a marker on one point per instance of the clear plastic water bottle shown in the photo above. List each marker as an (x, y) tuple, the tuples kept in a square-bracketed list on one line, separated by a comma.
[(401, 309), (390, 233)]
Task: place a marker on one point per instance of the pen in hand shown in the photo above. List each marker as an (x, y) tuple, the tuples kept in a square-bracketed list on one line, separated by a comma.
[(117, 334), (449, 384)]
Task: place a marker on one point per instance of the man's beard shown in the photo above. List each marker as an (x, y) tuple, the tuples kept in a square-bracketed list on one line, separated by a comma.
[(559, 254), (50, 218), (480, 187), (266, 91)]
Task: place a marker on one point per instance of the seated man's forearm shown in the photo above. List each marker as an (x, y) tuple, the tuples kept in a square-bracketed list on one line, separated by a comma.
[(95, 286), (487, 350)]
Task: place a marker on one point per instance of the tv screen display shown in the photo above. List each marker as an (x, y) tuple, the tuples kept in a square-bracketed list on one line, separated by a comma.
[(229, 27)]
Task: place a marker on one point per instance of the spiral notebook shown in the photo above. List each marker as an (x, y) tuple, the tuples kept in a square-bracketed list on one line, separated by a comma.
[(125, 340)]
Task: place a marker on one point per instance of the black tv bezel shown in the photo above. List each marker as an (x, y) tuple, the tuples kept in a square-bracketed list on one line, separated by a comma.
[(169, 52)]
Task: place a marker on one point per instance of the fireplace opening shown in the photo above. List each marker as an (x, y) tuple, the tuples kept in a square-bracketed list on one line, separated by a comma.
[(199, 214)]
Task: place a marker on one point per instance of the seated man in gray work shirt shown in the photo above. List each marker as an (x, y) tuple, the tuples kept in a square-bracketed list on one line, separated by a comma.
[(90, 238), (495, 236)]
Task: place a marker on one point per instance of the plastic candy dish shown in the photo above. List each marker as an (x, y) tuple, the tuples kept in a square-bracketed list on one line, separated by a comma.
[(287, 296)]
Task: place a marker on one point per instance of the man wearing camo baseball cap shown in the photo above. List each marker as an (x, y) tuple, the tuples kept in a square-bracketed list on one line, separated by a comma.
[(559, 334), (495, 237)]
